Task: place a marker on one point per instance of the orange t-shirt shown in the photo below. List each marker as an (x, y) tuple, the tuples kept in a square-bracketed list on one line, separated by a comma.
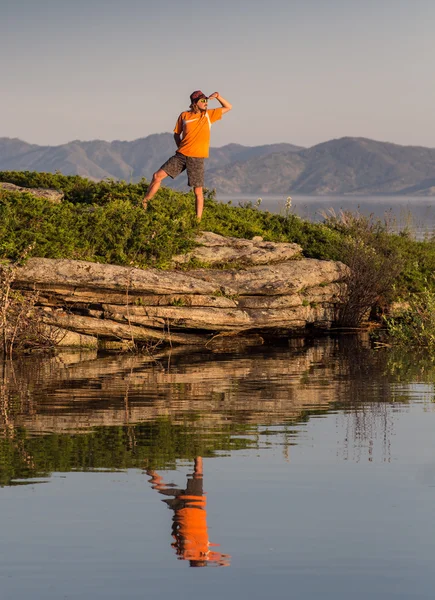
[(192, 534), (195, 131), (192, 528)]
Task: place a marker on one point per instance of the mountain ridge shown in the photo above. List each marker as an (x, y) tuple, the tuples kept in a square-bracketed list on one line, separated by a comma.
[(341, 166)]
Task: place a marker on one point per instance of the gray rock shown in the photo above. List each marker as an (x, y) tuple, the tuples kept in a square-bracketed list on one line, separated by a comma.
[(215, 249), (55, 273), (273, 280), (53, 196), (116, 303)]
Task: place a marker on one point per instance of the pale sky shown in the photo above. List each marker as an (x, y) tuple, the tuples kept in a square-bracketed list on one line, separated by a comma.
[(297, 71)]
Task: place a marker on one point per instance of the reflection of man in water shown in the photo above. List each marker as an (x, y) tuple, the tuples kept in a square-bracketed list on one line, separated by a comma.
[(189, 528)]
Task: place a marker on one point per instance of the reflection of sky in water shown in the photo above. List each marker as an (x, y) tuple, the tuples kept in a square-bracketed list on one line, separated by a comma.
[(310, 521), (333, 502)]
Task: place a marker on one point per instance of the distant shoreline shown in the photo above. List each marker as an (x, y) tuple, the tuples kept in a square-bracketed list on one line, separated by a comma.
[(405, 212)]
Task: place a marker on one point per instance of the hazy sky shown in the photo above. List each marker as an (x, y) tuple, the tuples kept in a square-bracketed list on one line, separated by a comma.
[(298, 71)]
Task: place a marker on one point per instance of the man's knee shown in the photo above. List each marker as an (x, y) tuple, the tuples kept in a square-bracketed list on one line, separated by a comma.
[(158, 176)]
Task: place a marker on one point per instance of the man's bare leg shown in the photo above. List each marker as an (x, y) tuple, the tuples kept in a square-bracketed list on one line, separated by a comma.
[(199, 196), (154, 186)]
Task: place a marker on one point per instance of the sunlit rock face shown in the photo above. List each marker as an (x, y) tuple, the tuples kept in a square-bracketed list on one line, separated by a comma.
[(54, 196), (245, 288), (215, 249)]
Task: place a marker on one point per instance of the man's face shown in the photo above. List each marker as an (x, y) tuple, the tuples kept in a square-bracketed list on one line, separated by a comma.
[(202, 104)]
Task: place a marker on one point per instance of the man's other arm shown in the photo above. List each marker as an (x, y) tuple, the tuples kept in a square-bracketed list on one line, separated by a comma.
[(178, 130)]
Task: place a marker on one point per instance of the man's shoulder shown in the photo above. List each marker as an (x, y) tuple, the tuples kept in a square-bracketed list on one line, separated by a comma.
[(215, 114), (185, 114)]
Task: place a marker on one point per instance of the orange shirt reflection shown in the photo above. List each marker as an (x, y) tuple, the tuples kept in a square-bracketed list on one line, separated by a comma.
[(189, 523)]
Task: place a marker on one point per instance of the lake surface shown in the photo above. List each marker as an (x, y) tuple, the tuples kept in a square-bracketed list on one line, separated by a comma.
[(312, 465), (416, 214)]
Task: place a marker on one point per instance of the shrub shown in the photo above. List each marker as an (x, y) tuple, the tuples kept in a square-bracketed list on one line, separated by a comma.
[(118, 232), (21, 324), (416, 325), (374, 264), (79, 190)]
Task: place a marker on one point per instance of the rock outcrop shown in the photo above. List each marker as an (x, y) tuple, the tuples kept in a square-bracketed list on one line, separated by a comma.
[(111, 302), (215, 249), (53, 196)]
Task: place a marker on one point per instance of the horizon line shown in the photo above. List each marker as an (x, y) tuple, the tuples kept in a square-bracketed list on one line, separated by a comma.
[(346, 137)]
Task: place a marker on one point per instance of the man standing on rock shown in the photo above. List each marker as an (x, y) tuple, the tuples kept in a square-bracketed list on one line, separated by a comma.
[(192, 136)]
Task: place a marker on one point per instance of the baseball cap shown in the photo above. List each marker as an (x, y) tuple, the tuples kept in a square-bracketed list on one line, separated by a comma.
[(197, 95)]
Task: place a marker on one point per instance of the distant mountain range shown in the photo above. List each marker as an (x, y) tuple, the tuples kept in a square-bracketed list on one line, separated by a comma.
[(343, 166)]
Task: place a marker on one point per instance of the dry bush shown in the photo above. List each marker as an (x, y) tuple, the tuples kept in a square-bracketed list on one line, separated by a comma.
[(374, 264), (21, 324)]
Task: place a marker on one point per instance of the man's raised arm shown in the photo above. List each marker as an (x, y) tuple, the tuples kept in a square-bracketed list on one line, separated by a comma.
[(226, 106)]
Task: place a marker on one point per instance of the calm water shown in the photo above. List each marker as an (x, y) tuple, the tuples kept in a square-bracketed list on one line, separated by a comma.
[(416, 214), (311, 465)]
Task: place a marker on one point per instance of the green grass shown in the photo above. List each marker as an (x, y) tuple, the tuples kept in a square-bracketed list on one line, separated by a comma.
[(104, 222)]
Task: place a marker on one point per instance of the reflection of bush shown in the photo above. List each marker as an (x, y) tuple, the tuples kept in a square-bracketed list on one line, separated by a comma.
[(415, 367), (156, 445)]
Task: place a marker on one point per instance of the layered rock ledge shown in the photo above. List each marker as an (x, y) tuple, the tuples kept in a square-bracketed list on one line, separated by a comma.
[(273, 290)]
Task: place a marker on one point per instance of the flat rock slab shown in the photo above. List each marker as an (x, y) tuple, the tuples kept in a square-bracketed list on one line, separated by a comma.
[(274, 280), (279, 279), (118, 303), (118, 331), (220, 319), (53, 195), (39, 272), (58, 296), (216, 249)]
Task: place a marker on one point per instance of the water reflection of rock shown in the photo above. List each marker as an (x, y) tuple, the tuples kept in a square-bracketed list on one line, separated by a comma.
[(75, 391), (262, 387), (187, 405)]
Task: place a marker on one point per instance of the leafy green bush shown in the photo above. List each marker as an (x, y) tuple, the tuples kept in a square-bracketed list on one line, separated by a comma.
[(79, 190), (415, 327), (384, 266), (118, 231)]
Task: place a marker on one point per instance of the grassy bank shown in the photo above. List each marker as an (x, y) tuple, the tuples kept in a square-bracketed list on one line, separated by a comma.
[(104, 222)]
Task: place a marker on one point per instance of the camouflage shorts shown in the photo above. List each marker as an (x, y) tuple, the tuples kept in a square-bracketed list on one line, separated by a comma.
[(194, 167)]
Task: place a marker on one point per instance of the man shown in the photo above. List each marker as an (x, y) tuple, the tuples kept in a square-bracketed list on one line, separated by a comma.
[(189, 523), (192, 136)]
